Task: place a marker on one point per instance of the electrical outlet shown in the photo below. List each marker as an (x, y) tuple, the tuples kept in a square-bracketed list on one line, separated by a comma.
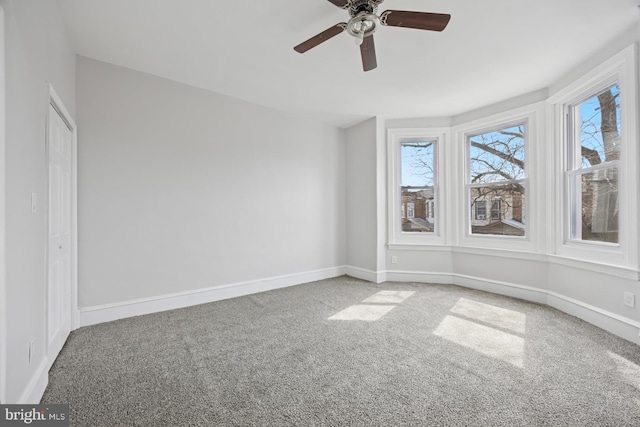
[(394, 260), (629, 299)]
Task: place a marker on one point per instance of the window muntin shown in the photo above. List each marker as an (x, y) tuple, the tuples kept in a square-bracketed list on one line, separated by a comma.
[(594, 157), (497, 181), (418, 185)]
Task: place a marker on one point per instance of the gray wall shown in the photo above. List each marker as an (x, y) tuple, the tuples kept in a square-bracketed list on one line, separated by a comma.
[(361, 187), (182, 189), (37, 52)]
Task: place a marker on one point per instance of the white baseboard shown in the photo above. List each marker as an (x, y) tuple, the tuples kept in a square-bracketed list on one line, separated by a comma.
[(618, 325), (494, 286), (364, 274), (121, 310), (419, 276), (611, 322), (502, 288), (32, 394)]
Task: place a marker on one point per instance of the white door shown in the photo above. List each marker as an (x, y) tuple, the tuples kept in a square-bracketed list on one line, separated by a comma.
[(59, 251)]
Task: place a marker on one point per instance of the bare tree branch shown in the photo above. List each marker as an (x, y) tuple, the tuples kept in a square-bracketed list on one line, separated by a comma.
[(505, 156), (591, 155), (417, 144), (514, 134)]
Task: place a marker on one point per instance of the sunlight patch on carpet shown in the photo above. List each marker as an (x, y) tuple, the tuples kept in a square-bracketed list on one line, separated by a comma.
[(629, 371), (389, 297), (483, 339), (486, 313), (368, 313)]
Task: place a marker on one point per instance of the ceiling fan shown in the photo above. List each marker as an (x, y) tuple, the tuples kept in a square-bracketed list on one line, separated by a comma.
[(365, 21)]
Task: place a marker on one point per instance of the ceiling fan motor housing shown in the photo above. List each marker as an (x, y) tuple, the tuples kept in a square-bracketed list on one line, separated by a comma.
[(367, 6)]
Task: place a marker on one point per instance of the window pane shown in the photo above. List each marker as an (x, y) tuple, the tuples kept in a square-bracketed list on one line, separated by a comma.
[(598, 204), (600, 127), (506, 217), (498, 155), (417, 186), (417, 164), (416, 205)]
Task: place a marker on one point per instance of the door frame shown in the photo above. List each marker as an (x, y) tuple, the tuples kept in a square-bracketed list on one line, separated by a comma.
[(58, 105)]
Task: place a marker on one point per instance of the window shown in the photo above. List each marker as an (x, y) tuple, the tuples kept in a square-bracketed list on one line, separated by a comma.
[(415, 214), (495, 210), (594, 137), (596, 208), (411, 210), (417, 186), (481, 209), (497, 179)]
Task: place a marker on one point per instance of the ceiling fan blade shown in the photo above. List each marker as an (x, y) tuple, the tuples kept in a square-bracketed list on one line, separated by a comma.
[(319, 38), (418, 20), (340, 3), (368, 53)]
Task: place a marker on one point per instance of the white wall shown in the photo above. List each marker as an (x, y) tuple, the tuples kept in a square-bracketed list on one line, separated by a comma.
[(37, 52), (609, 48), (181, 189)]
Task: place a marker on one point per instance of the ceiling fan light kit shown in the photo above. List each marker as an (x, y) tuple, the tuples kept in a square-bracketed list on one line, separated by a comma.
[(363, 25), (365, 21)]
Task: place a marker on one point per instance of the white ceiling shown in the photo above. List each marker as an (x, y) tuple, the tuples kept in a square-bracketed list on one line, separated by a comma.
[(492, 50)]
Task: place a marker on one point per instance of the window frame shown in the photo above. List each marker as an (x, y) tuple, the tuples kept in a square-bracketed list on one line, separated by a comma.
[(533, 240), (574, 158), (395, 138), (620, 69)]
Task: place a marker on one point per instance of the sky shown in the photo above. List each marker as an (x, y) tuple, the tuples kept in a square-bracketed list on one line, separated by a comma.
[(417, 163)]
